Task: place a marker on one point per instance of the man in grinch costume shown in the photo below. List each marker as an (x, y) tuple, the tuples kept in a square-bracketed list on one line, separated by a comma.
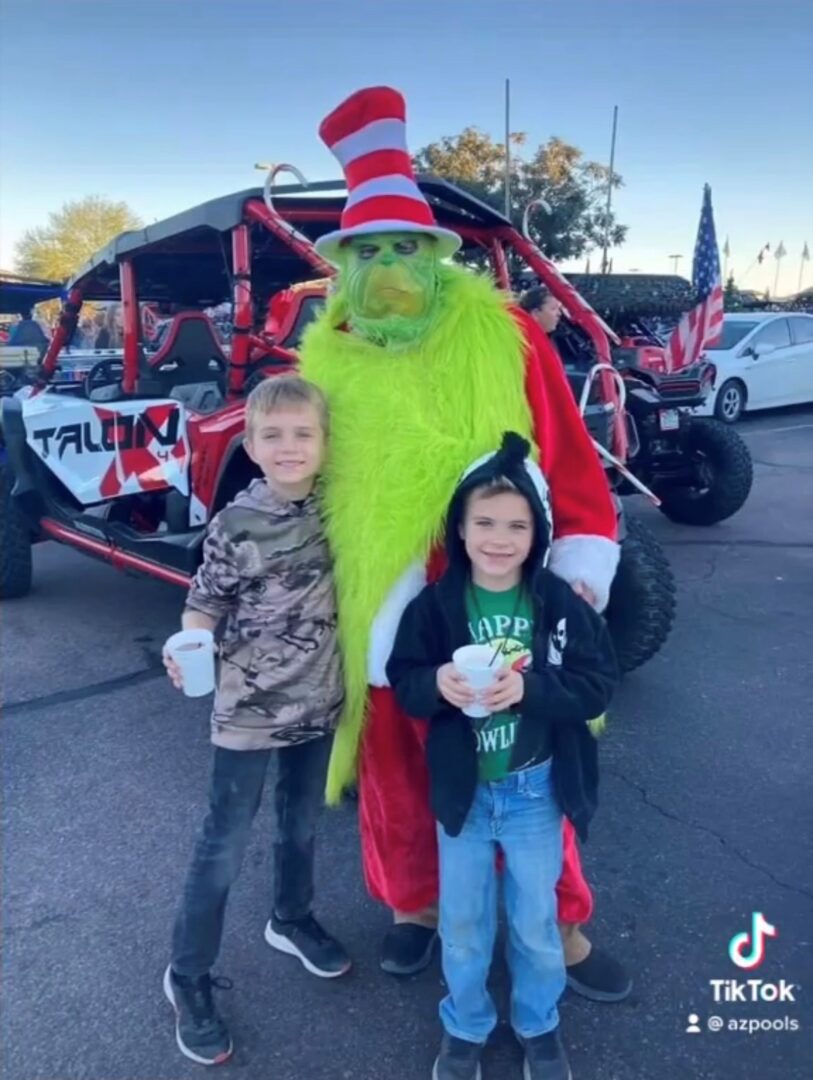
[(425, 366)]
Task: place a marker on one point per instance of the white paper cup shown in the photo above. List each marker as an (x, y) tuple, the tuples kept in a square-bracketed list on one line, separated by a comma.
[(472, 661), (194, 653)]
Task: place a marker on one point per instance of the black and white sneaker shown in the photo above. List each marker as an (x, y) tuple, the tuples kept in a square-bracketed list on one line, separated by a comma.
[(457, 1060), (545, 1058), (305, 939), (200, 1031)]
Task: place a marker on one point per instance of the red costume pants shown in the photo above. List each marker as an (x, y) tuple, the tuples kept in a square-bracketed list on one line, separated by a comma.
[(398, 839)]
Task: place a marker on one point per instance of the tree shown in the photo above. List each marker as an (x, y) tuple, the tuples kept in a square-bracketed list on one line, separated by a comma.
[(731, 295), (575, 189), (54, 251)]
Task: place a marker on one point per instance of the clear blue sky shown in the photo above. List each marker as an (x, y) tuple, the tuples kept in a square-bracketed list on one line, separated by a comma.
[(165, 103)]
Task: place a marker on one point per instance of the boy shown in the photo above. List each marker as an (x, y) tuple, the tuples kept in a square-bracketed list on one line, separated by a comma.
[(266, 569), (505, 781)]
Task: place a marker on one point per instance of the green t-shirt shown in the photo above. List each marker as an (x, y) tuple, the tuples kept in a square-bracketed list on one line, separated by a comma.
[(502, 620)]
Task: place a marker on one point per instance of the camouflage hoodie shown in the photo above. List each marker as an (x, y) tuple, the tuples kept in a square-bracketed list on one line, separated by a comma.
[(267, 569)]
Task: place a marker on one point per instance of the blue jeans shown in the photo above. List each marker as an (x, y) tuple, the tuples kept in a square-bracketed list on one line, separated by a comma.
[(238, 779), (521, 816)]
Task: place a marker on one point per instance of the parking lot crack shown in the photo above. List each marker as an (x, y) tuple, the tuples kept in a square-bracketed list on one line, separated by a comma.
[(734, 851), (781, 464), (38, 924), (82, 693)]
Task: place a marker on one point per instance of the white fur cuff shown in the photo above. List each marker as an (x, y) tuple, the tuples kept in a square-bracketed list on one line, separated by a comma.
[(588, 558), (385, 624)]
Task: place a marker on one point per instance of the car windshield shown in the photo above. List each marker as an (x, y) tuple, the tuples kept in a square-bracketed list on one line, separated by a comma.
[(733, 333)]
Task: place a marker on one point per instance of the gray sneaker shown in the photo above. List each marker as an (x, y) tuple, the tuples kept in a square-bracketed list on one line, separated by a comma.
[(545, 1058), (200, 1031), (457, 1060)]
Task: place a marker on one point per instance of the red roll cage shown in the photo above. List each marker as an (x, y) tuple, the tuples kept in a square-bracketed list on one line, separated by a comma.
[(295, 219)]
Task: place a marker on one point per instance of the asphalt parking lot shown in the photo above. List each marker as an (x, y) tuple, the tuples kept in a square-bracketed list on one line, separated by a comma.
[(705, 818)]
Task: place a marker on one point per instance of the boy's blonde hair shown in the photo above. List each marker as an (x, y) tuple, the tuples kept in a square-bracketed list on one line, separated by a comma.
[(280, 391)]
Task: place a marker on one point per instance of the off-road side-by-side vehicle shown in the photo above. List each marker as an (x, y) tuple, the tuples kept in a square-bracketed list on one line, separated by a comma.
[(19, 362), (130, 463), (700, 468)]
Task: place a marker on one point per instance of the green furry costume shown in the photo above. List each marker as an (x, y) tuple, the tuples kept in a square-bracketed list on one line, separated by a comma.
[(404, 426)]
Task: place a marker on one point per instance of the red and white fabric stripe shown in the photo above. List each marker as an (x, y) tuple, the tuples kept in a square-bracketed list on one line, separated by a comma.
[(391, 186), (379, 135), (698, 328), (367, 135), (380, 143), (375, 164), (371, 105), (394, 197)]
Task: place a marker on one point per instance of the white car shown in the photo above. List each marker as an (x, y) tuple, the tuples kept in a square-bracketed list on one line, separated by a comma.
[(764, 359)]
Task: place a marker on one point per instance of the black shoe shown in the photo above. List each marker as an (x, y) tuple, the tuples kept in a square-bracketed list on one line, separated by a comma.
[(320, 953), (545, 1058), (599, 977), (200, 1031), (457, 1060), (407, 949)]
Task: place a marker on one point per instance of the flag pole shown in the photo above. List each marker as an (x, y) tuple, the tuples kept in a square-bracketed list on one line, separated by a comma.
[(508, 149), (609, 192), (779, 255), (758, 259)]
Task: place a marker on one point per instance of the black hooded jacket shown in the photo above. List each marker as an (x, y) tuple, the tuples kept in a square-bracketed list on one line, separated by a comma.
[(559, 697)]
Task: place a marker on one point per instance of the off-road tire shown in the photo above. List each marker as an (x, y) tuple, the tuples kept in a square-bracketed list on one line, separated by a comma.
[(732, 473), (642, 599), (15, 543), (721, 406)]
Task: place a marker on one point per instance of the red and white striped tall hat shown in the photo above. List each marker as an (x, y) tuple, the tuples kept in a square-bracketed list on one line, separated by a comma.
[(367, 135)]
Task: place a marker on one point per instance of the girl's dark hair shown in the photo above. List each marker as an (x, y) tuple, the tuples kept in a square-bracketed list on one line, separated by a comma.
[(534, 298)]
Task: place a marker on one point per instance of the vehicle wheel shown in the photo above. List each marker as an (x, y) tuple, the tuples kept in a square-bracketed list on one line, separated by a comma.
[(15, 555), (724, 474), (730, 402), (642, 599)]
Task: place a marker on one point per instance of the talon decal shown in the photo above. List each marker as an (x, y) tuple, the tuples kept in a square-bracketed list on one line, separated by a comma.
[(99, 452)]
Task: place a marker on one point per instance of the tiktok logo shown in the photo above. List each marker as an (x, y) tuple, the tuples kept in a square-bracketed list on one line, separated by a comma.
[(738, 947)]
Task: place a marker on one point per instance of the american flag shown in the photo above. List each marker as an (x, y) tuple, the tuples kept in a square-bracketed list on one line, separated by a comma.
[(702, 325)]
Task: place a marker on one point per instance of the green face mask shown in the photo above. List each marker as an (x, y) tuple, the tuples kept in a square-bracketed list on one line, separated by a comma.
[(390, 286)]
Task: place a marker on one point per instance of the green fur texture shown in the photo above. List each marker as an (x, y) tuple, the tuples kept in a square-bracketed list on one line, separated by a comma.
[(598, 726), (404, 425)]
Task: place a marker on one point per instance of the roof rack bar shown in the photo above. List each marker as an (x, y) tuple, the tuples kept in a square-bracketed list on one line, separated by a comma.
[(303, 189), (255, 210)]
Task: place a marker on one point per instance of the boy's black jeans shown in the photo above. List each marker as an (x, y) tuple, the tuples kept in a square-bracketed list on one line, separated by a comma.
[(238, 777)]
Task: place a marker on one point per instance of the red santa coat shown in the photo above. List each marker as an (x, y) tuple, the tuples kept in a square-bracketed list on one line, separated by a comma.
[(397, 828)]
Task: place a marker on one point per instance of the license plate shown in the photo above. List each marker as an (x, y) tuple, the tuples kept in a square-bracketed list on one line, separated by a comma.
[(669, 419)]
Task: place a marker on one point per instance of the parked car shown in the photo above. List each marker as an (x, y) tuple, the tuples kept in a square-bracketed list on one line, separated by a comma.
[(763, 360), (129, 463)]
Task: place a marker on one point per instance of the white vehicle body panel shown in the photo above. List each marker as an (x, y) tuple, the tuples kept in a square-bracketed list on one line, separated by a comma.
[(783, 376), (102, 451)]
